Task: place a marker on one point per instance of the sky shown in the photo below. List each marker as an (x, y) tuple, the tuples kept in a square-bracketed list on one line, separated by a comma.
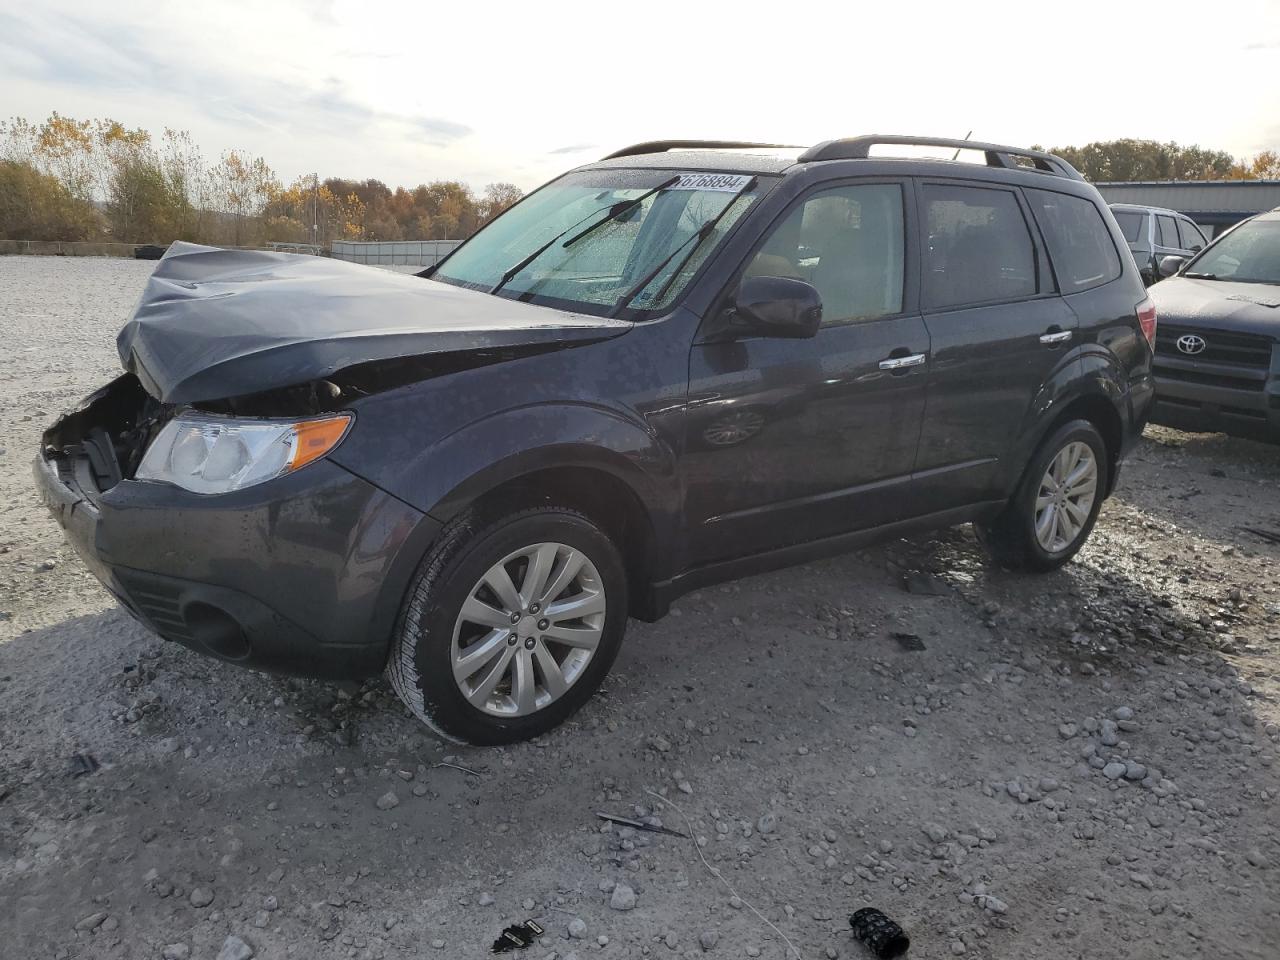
[(485, 92)]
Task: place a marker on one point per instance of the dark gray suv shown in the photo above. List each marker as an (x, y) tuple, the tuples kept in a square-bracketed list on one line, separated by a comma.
[(1154, 233), (673, 367)]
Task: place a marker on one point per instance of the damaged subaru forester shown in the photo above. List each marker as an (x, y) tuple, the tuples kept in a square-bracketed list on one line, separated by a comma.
[(688, 362)]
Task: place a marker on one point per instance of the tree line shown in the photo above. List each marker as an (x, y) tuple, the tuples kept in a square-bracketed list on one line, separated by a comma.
[(1128, 159), (68, 179)]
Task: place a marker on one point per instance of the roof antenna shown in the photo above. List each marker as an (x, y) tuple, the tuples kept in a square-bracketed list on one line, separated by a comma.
[(956, 155)]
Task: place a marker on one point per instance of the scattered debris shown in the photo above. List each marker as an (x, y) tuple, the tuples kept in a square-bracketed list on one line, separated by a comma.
[(878, 933), (234, 948), (925, 584), (908, 641), (387, 801), (517, 937), (642, 825), (1271, 536), (82, 764), (457, 766)]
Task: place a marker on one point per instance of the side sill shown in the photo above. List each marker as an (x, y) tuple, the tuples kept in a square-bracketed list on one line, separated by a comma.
[(662, 594)]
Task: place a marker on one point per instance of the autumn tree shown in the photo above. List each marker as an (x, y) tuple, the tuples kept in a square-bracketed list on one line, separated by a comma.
[(37, 206), (497, 197), (1129, 159), (240, 187), (186, 183), (87, 179), (1265, 166)]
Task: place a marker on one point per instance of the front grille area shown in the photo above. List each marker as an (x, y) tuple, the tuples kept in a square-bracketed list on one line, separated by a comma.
[(1236, 349), (1237, 361), (158, 603)]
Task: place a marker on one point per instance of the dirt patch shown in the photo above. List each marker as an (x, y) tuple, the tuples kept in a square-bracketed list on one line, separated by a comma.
[(1081, 764)]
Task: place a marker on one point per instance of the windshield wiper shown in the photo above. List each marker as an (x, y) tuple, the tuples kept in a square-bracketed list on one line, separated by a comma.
[(614, 212), (1202, 276), (700, 235), (619, 210)]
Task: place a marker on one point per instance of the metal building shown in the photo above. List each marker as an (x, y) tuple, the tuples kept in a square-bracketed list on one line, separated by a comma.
[(1214, 204), (418, 253)]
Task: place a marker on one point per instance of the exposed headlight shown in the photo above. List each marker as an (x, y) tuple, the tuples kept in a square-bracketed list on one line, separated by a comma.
[(208, 454)]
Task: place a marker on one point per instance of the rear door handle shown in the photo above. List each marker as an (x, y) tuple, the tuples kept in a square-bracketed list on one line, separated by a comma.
[(899, 363), (1061, 336)]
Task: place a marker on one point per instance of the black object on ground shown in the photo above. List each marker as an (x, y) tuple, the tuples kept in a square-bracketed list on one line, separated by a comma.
[(882, 936), (908, 641), (83, 763), (517, 937), (148, 251), (925, 584), (1271, 536), (641, 825)]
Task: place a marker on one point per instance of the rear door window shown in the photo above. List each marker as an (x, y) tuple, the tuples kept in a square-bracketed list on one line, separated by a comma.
[(1130, 224), (1191, 237), (1167, 232), (1078, 239), (979, 246)]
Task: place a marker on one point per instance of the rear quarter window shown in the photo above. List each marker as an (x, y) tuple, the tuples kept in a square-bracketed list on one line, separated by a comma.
[(1079, 241), (1130, 224)]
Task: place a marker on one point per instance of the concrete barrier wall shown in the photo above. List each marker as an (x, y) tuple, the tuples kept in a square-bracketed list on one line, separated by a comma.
[(61, 248), (419, 253)]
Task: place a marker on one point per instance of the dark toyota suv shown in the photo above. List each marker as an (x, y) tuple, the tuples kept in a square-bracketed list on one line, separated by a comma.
[(682, 364), (1217, 362)]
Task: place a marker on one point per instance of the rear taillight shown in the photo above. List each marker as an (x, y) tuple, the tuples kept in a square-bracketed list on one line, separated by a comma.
[(1147, 320)]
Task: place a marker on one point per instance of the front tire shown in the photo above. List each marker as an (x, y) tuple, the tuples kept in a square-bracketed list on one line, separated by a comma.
[(1051, 514), (509, 626)]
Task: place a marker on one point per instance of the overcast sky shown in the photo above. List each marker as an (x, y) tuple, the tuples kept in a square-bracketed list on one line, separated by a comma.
[(477, 91)]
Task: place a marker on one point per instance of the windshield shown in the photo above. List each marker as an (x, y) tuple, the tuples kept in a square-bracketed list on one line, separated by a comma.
[(594, 270), (1250, 254)]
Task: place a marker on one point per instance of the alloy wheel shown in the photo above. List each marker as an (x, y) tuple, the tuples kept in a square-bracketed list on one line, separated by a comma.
[(1066, 496), (528, 629)]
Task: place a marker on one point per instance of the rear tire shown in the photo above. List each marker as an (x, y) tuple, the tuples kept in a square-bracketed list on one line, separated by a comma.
[(493, 664), (1051, 514)]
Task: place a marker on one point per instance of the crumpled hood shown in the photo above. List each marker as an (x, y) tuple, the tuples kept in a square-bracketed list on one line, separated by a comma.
[(1218, 305), (216, 323)]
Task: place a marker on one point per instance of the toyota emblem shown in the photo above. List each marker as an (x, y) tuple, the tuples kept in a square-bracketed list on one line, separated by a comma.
[(1191, 344)]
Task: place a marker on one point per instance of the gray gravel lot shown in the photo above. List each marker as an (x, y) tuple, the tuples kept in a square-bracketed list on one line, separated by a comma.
[(1075, 765)]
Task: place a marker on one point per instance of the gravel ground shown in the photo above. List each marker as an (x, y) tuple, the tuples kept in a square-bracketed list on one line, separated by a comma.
[(1081, 764)]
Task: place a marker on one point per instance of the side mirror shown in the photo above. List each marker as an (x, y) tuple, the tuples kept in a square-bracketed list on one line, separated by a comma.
[(777, 307), (1171, 265)]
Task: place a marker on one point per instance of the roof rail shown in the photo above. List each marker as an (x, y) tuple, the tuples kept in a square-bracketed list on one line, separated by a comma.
[(998, 155), (662, 146)]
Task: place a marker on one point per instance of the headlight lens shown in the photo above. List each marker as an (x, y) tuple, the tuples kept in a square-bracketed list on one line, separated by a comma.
[(208, 454)]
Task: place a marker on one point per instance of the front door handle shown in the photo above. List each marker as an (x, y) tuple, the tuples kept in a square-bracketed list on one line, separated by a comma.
[(1058, 336), (899, 363)]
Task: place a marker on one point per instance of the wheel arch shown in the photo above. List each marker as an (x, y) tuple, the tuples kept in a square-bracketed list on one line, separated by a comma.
[(601, 491), (1096, 406)]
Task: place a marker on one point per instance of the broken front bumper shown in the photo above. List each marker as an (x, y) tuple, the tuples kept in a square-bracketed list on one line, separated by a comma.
[(300, 575)]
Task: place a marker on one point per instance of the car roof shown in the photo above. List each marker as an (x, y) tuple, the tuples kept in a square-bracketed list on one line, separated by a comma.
[(1144, 208), (736, 161), (850, 156)]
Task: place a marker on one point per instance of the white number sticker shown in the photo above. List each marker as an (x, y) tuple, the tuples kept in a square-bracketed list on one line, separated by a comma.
[(713, 182)]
